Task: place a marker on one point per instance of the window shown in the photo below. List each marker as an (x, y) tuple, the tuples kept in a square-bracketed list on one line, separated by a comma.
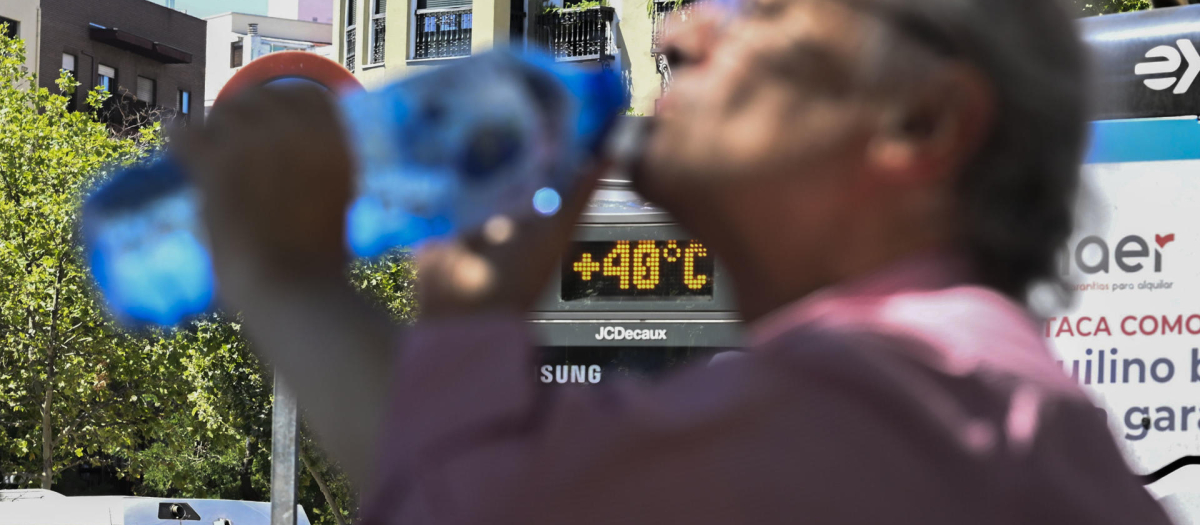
[(108, 78), (275, 48), (378, 28), (443, 29), (351, 37), (12, 27), (68, 65), (185, 102), (235, 54), (146, 90)]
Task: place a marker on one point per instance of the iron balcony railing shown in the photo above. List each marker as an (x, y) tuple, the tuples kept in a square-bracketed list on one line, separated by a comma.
[(351, 46), (443, 33), (378, 31), (663, 9), (577, 34), (667, 13), (379, 26)]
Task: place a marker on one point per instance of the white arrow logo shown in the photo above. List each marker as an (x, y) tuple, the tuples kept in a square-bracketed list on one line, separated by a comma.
[(1171, 60)]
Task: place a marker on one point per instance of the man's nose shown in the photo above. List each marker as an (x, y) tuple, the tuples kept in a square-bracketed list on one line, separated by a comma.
[(688, 37)]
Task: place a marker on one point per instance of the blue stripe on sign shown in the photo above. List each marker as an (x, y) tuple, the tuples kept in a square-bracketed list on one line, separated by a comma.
[(1142, 140)]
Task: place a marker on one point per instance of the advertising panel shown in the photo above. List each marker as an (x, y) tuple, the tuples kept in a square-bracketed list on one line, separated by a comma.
[(1131, 336)]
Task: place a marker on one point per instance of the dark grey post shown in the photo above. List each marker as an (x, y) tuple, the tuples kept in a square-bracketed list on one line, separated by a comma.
[(283, 456)]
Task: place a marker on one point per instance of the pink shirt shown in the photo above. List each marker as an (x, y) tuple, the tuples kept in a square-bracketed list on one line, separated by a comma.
[(906, 397)]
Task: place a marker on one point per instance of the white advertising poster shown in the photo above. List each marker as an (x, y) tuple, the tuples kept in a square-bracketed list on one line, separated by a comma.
[(1132, 334)]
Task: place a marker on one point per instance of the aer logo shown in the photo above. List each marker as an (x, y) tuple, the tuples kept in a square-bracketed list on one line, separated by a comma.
[(1169, 63)]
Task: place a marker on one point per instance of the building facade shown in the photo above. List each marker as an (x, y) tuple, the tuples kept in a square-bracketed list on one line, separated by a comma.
[(23, 18), (236, 39), (148, 56), (306, 10), (382, 40)]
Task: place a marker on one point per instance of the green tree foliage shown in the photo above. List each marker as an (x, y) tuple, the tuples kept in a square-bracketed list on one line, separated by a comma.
[(71, 387), (180, 413), (1105, 7), (389, 283), (218, 445)]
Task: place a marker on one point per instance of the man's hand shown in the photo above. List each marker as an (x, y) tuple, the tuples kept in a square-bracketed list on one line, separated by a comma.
[(502, 268), (276, 175), (276, 178)]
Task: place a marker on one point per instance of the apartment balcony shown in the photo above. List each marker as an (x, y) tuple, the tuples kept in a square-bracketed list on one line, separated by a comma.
[(443, 33), (662, 19), (577, 34), (666, 15)]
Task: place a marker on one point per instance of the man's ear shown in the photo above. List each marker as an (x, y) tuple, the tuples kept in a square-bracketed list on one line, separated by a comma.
[(937, 130)]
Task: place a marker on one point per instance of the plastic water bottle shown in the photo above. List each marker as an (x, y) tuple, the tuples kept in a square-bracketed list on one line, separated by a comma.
[(438, 154)]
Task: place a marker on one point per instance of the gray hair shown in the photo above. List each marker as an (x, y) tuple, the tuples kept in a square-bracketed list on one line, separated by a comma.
[(1017, 197)]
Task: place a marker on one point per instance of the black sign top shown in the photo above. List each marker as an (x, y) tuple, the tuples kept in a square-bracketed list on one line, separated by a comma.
[(1145, 64)]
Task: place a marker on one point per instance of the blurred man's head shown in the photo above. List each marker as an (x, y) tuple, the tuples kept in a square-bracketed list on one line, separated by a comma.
[(822, 139)]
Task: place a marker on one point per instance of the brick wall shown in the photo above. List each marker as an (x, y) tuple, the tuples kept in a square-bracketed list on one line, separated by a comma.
[(65, 30)]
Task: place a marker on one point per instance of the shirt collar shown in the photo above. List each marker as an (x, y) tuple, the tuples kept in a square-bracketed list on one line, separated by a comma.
[(927, 271)]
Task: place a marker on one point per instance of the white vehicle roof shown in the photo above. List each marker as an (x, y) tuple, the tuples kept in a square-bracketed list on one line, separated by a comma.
[(27, 494), (28, 507)]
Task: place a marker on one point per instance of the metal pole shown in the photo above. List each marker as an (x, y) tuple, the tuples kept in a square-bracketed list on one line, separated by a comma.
[(283, 455)]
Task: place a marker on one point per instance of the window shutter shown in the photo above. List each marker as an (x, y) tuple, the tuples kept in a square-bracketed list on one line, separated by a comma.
[(446, 4), (145, 90), (235, 54)]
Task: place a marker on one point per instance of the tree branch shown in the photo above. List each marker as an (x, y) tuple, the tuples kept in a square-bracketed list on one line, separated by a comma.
[(70, 466), (337, 513)]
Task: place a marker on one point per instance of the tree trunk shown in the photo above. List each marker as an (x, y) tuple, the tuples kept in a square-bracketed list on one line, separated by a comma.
[(337, 513), (47, 431), (246, 488), (51, 361)]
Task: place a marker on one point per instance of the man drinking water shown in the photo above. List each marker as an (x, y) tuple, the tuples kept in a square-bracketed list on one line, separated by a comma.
[(884, 181)]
